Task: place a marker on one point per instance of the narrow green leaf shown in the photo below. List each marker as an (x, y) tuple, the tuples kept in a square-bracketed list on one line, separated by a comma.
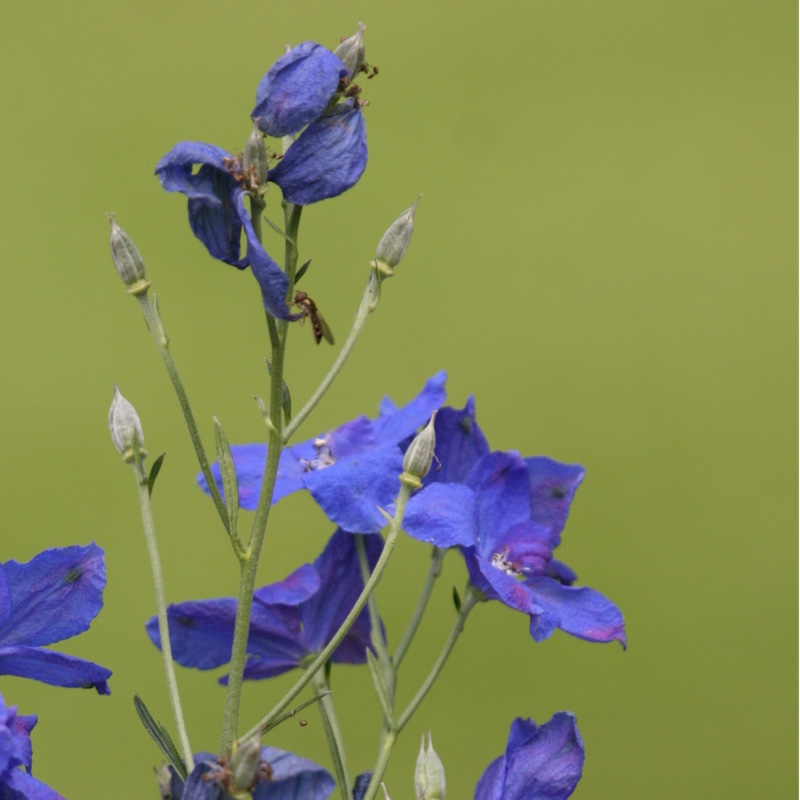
[(160, 736), (154, 470), (302, 271), (381, 687), (456, 599), (227, 469)]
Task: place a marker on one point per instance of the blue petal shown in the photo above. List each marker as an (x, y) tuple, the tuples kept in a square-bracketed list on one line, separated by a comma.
[(553, 485), (56, 669), (327, 159), (297, 587), (297, 89), (578, 610), (20, 785), (22, 753), (442, 514), (543, 763), (360, 785), (460, 444), (350, 491), (175, 170), (54, 596), (339, 569), (293, 778), (395, 424), (200, 785)]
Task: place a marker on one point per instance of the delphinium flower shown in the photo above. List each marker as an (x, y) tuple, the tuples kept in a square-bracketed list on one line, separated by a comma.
[(53, 597), (540, 763), (16, 758), (290, 622), (351, 470), (281, 775), (506, 513), (307, 91)]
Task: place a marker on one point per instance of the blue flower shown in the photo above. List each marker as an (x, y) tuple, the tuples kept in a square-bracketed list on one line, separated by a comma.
[(291, 777), (217, 214), (290, 620), (506, 514), (540, 763), (350, 471), (301, 90), (16, 758), (54, 596)]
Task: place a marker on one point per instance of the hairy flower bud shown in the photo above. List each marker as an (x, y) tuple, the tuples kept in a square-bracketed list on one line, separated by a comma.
[(392, 247), (124, 424), (419, 456), (351, 50), (255, 154), (127, 259), (246, 763), (429, 775)]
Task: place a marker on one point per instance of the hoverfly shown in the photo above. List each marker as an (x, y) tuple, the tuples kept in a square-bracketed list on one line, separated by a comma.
[(308, 308)]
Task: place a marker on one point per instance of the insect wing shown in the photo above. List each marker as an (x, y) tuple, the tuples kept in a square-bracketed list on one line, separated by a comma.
[(321, 328)]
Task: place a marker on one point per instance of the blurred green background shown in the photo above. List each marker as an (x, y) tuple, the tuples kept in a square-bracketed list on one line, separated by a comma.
[(605, 256)]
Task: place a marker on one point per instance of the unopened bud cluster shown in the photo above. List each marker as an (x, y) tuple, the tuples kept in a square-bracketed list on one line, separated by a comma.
[(392, 247), (124, 424), (127, 259)]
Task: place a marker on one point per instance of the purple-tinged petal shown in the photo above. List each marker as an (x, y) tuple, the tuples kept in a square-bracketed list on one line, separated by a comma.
[(55, 595), (502, 487), (442, 514), (176, 167), (5, 602), (561, 572), (505, 587), (460, 444), (297, 89), (56, 669), (273, 281), (270, 665), (395, 424), (340, 572), (361, 784), (543, 763), (218, 224), (200, 785), (19, 785), (293, 778), (297, 587), (350, 491), (22, 752), (553, 485), (578, 610), (327, 159)]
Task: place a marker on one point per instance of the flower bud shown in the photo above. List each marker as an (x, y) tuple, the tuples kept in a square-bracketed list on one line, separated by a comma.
[(429, 775), (255, 154), (127, 259), (123, 422), (419, 456), (246, 762), (392, 247), (351, 50)]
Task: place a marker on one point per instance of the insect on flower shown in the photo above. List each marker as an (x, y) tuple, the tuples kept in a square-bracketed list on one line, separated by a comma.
[(308, 308)]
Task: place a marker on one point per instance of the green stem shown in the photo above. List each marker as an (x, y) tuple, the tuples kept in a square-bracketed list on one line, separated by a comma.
[(161, 604), (389, 737), (249, 561), (437, 557), (376, 632), (333, 733), (156, 328), (352, 616), (369, 302), (470, 600)]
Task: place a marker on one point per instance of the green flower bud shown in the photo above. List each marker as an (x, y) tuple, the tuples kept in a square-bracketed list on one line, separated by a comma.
[(419, 456), (429, 775), (124, 424), (351, 50), (255, 155), (246, 764), (392, 247), (127, 259)]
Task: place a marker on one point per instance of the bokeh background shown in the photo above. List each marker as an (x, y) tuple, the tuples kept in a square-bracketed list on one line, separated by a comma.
[(605, 256)]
